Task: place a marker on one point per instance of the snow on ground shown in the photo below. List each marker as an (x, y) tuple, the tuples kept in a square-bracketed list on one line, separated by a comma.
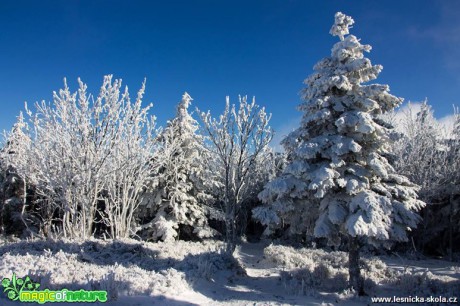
[(197, 273), (315, 271)]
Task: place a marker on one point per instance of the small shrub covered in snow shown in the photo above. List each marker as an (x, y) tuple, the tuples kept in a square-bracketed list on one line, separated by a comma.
[(205, 265), (309, 268), (426, 283), (289, 258)]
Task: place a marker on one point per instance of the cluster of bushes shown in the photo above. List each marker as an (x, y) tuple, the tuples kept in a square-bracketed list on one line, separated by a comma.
[(87, 166)]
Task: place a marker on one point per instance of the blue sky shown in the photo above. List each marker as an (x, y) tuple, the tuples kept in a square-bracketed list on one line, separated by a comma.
[(216, 48)]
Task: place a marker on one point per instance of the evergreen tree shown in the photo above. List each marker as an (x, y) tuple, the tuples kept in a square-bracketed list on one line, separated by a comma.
[(338, 165), (178, 196), (15, 213)]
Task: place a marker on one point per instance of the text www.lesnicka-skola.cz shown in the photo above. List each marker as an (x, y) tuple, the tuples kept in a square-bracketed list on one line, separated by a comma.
[(414, 299)]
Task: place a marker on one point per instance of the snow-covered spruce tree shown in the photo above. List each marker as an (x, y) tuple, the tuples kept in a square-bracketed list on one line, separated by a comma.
[(237, 141), (6, 196), (14, 218), (17, 158), (337, 157), (177, 197), (86, 157)]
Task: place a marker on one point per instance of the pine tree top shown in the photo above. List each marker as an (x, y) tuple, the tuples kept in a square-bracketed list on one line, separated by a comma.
[(341, 25)]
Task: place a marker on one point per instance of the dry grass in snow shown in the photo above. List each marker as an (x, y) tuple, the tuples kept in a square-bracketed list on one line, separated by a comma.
[(308, 270), (123, 268)]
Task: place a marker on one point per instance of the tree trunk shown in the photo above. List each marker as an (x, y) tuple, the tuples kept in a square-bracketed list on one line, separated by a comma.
[(229, 214), (356, 281), (230, 230), (230, 243)]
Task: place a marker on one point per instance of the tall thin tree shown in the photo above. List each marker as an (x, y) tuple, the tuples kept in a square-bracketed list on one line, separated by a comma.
[(236, 140)]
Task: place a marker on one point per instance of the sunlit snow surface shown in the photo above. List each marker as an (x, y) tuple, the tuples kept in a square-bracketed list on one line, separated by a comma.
[(194, 273)]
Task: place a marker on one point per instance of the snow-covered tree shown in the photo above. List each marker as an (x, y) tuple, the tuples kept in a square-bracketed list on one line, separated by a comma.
[(129, 166), (421, 153), (178, 198), (265, 168), (85, 156), (10, 200), (16, 158), (237, 141), (428, 155), (338, 165)]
